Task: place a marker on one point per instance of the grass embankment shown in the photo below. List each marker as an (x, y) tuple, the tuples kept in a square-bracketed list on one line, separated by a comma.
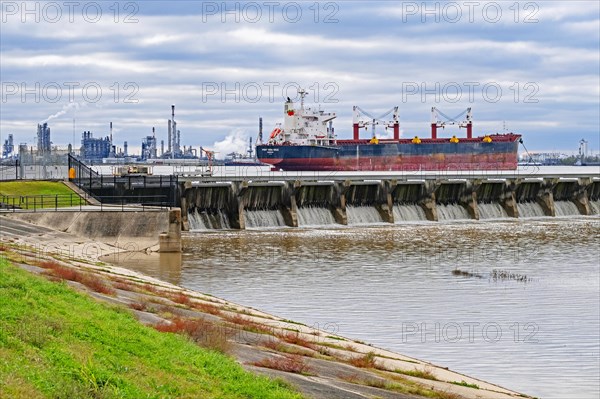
[(38, 194), (58, 343)]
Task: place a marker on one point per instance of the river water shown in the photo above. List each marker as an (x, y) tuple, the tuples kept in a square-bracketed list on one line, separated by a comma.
[(523, 311)]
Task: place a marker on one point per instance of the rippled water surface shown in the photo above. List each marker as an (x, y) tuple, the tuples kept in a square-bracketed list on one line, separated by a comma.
[(512, 302)]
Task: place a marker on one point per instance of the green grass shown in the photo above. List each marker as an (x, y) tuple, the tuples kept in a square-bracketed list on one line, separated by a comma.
[(58, 343), (33, 188), (44, 192), (463, 383)]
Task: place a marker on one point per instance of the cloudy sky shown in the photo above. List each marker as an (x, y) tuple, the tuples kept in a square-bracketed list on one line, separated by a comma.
[(529, 67)]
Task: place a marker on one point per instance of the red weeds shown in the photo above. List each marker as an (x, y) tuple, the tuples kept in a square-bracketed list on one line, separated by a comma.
[(248, 325), (200, 331), (296, 339), (367, 361), (123, 286), (138, 306), (287, 363), (93, 282), (97, 285), (181, 298), (207, 308), (152, 289), (180, 325)]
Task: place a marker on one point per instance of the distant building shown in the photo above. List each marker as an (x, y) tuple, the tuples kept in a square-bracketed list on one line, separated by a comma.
[(43, 139), (149, 149), (8, 146), (95, 149)]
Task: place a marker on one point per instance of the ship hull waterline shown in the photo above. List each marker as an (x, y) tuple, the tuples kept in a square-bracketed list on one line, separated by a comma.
[(501, 155)]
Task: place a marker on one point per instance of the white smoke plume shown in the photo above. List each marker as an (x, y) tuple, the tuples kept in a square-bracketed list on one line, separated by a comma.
[(66, 108), (236, 141)]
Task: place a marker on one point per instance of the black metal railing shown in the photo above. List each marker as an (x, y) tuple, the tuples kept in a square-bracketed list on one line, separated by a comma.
[(10, 171), (69, 202), (122, 189)]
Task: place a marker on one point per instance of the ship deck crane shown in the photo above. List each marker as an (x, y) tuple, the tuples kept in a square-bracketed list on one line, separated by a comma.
[(437, 123), (359, 123)]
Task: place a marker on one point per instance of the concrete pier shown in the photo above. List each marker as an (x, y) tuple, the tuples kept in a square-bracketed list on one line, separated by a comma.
[(130, 230), (170, 241)]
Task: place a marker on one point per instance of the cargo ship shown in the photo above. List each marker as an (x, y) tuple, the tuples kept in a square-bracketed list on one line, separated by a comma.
[(306, 141)]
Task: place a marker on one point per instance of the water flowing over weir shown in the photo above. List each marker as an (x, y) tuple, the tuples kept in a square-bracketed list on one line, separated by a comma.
[(530, 209), (263, 218), (408, 213), (264, 203), (529, 199), (363, 215), (492, 210), (208, 221), (364, 203), (490, 199), (315, 204), (315, 216), (452, 212), (565, 208), (452, 201), (406, 202), (208, 207)]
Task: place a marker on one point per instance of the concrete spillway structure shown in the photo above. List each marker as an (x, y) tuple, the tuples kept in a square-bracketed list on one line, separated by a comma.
[(496, 199), (292, 203), (411, 201), (209, 206), (319, 203), (367, 202), (593, 195)]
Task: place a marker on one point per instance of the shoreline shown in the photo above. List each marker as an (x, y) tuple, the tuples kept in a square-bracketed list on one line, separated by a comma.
[(339, 364)]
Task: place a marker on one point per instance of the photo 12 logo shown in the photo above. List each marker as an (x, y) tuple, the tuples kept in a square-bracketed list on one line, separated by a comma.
[(270, 11), (53, 92), (453, 332), (253, 92), (69, 11), (453, 92), (452, 12)]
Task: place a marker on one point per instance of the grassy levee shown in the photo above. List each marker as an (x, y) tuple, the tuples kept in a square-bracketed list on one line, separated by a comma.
[(41, 194), (59, 343)]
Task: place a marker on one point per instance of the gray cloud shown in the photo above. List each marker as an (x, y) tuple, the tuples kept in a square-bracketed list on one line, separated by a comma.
[(369, 58)]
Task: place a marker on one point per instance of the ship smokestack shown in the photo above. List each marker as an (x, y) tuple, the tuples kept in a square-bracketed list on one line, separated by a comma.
[(355, 126)]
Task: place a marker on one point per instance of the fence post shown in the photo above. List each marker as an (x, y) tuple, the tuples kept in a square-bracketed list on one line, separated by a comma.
[(56, 203)]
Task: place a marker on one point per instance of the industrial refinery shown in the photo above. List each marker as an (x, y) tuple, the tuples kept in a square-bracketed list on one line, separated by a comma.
[(103, 149)]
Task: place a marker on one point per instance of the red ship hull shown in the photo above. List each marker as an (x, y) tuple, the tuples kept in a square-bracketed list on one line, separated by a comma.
[(396, 155)]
